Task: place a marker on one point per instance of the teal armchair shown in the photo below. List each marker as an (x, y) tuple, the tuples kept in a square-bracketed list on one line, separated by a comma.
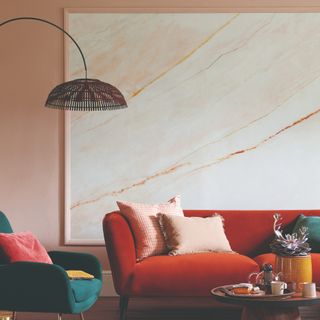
[(41, 287)]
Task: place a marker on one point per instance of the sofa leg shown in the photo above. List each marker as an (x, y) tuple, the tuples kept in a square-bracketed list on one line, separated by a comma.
[(123, 307), (14, 315), (59, 316), (81, 316)]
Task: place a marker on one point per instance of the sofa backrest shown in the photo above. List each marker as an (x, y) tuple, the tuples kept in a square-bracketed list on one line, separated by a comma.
[(250, 231)]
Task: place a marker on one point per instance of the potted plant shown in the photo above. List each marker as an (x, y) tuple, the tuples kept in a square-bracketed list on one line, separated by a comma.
[(292, 251)]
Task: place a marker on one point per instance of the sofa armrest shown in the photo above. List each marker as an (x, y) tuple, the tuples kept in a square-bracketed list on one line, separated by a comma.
[(121, 250), (31, 286), (77, 261)]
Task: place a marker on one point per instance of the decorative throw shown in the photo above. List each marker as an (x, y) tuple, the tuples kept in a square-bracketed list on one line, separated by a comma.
[(194, 234), (23, 246), (142, 218)]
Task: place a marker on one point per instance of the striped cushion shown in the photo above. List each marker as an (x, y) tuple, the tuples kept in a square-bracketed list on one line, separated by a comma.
[(149, 238)]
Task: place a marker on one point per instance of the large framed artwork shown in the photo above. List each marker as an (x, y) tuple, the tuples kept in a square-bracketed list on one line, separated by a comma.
[(224, 109)]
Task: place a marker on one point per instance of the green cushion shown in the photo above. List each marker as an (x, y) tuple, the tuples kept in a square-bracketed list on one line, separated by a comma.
[(85, 289), (5, 226), (313, 225)]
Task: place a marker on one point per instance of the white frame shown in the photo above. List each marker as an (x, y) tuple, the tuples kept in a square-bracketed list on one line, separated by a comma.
[(282, 6)]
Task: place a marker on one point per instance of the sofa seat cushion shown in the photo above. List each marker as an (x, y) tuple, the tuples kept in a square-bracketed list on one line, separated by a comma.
[(190, 274), (85, 289), (271, 258)]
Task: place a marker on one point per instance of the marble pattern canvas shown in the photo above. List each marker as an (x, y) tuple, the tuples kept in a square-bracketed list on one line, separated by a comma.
[(224, 109)]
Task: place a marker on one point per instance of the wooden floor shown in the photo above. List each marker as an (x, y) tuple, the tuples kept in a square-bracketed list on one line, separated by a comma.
[(156, 309)]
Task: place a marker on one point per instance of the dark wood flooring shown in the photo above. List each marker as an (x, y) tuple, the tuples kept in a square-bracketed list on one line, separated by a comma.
[(158, 309)]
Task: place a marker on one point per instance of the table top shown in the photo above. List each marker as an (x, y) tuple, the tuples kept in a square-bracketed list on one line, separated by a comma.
[(295, 301)]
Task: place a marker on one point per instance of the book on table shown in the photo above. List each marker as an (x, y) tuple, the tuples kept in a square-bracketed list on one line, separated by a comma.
[(79, 274)]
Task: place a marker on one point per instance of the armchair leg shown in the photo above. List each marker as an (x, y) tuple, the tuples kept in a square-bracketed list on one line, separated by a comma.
[(14, 315), (123, 307), (81, 316)]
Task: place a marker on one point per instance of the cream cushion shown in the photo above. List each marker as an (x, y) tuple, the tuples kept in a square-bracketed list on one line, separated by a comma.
[(194, 234)]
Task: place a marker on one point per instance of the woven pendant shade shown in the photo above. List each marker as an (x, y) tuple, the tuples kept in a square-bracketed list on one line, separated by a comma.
[(86, 95), (80, 94)]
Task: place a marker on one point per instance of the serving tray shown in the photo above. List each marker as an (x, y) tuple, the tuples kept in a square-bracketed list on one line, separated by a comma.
[(259, 295)]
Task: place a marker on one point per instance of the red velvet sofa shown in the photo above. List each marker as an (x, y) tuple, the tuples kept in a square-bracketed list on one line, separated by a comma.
[(249, 233)]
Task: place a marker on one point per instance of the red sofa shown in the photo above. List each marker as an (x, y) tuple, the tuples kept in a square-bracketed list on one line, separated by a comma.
[(249, 233)]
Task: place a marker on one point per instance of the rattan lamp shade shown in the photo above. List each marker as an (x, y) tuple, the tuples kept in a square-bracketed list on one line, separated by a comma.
[(80, 94), (85, 95)]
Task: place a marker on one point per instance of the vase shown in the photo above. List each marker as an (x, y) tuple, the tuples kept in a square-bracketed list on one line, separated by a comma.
[(294, 269)]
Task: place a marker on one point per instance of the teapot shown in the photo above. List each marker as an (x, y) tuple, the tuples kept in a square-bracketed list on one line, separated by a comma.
[(263, 279)]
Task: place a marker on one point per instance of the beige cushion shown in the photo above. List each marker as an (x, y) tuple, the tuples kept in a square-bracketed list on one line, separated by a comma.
[(194, 234)]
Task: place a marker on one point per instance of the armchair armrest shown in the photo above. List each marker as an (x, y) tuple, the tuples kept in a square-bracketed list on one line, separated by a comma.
[(31, 286), (121, 250), (75, 260)]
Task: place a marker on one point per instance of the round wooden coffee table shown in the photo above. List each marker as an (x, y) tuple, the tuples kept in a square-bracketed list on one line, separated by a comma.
[(267, 308)]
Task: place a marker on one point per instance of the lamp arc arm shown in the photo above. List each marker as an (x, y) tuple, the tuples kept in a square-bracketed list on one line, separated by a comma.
[(56, 26)]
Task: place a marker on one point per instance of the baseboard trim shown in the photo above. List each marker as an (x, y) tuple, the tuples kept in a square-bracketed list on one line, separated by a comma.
[(107, 285)]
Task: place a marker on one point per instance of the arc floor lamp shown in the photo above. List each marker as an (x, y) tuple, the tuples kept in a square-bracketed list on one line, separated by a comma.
[(80, 94)]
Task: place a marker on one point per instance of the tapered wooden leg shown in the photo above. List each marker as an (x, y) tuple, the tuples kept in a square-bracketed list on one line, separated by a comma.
[(81, 316), (59, 316), (14, 315), (255, 313), (123, 307)]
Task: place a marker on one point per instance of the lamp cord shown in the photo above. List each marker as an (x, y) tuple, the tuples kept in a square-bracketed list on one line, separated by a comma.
[(54, 25)]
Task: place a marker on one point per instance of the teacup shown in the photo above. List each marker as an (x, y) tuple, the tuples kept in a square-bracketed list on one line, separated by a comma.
[(308, 289), (277, 287)]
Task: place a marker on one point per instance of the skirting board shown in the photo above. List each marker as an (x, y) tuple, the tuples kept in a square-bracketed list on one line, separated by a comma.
[(107, 286)]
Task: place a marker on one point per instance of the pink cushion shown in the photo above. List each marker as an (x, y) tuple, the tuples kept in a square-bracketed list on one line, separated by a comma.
[(149, 238), (23, 246)]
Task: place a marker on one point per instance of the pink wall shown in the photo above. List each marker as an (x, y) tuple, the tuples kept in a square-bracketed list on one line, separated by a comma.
[(31, 136)]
